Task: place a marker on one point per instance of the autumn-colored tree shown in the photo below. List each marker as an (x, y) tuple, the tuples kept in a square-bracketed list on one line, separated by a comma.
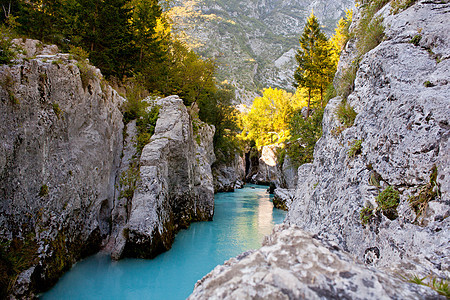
[(267, 121)]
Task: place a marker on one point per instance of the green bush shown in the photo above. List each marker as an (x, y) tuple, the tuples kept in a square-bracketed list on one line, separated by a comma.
[(428, 84), (146, 127), (387, 201), (57, 109), (16, 256), (87, 73), (43, 192), (400, 5), (7, 50), (305, 133), (438, 284), (369, 33), (416, 40), (346, 82), (128, 181)]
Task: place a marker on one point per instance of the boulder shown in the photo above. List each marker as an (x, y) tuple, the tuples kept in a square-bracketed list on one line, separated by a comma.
[(229, 176), (282, 198), (293, 264)]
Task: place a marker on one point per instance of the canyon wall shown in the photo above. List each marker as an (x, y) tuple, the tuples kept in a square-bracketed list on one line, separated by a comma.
[(66, 160), (378, 193)]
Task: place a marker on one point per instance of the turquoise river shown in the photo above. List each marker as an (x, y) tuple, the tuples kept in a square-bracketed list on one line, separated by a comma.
[(241, 220)]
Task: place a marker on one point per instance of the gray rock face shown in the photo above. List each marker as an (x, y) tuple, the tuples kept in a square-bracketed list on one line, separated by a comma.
[(289, 173), (62, 156), (60, 145), (229, 176), (294, 265), (402, 100), (175, 185), (270, 171), (282, 198)]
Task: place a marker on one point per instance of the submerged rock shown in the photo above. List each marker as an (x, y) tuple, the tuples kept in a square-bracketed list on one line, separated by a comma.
[(292, 264)]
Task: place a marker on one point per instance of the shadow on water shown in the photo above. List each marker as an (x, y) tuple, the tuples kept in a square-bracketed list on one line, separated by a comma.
[(241, 220)]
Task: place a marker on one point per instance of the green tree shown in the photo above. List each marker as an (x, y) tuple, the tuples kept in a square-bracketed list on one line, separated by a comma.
[(315, 64), (113, 51), (305, 132)]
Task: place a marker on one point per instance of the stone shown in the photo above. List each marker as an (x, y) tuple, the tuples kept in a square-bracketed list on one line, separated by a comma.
[(175, 186), (60, 147), (229, 175), (403, 126), (293, 264), (282, 198), (267, 168)]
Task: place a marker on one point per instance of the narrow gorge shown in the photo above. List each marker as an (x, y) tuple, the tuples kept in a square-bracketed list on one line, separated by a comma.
[(366, 219)]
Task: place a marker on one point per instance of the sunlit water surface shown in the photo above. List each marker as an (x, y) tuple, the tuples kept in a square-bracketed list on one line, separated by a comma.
[(241, 220)]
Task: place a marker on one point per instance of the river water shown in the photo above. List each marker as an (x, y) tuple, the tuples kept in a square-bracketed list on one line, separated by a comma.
[(241, 220)]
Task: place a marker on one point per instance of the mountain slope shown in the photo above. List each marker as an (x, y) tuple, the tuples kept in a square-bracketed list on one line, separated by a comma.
[(254, 41)]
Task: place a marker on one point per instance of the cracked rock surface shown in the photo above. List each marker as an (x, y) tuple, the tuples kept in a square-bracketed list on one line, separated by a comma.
[(292, 264)]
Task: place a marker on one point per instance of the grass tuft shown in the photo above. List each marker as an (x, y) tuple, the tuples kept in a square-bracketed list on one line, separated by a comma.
[(345, 114), (387, 201), (355, 149)]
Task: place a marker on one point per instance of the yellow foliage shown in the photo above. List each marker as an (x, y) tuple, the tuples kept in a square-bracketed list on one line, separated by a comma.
[(341, 35), (267, 121)]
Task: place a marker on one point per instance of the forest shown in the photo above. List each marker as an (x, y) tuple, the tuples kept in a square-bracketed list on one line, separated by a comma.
[(140, 51)]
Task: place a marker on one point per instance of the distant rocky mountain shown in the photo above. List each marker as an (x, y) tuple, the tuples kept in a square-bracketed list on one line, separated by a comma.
[(254, 41)]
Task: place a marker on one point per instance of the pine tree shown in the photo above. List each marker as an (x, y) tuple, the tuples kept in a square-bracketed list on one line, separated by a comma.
[(315, 64)]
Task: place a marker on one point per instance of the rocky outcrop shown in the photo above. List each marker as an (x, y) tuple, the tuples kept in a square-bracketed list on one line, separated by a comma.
[(282, 198), (397, 150), (269, 170), (402, 97), (292, 264), (60, 146), (70, 185), (175, 185), (229, 176)]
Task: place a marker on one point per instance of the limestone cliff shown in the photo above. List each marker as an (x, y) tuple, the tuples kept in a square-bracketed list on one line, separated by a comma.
[(63, 161), (268, 170), (230, 175), (60, 145), (403, 127), (397, 149), (254, 42), (175, 185)]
